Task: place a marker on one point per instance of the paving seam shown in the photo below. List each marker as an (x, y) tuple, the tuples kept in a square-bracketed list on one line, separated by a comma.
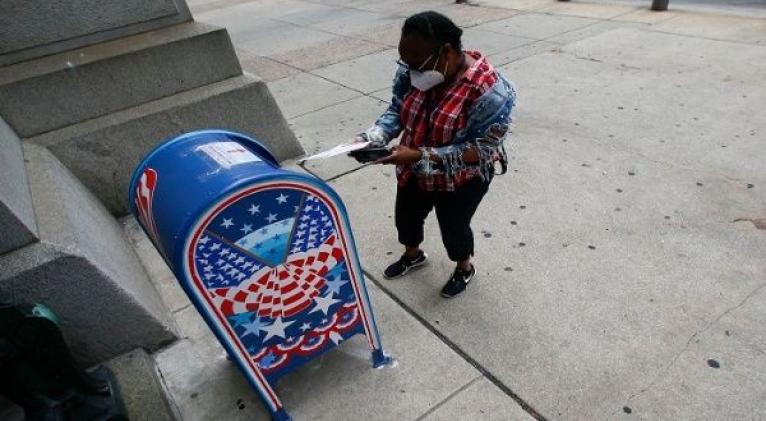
[(174, 408), (358, 9), (454, 347), (311, 72), (448, 398), (180, 309), (756, 44), (216, 5), (496, 65), (324, 107), (698, 332), (314, 28)]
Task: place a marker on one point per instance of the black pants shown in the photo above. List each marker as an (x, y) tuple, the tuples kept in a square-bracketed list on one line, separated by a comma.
[(454, 211)]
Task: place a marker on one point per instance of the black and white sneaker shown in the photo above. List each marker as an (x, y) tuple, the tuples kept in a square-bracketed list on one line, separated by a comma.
[(458, 282), (403, 265)]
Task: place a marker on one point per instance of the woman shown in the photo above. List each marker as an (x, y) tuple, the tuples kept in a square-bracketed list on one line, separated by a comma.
[(452, 110)]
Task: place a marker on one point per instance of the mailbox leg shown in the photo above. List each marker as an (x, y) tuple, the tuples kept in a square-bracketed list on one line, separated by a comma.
[(659, 5), (379, 358), (281, 415)]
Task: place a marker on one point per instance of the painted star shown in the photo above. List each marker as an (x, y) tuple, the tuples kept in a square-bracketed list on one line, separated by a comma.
[(204, 240), (324, 304), (305, 327), (267, 360), (246, 228), (276, 329), (255, 327), (271, 218), (254, 209), (282, 198), (334, 286), (227, 222)]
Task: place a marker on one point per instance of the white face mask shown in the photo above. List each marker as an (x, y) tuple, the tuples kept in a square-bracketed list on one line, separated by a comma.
[(424, 81)]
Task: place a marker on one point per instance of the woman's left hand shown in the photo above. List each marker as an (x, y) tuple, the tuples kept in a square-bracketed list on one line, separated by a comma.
[(401, 155)]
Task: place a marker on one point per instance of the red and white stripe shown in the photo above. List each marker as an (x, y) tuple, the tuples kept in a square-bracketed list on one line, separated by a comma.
[(144, 200), (285, 290)]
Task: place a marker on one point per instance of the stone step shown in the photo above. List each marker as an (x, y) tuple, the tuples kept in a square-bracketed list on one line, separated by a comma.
[(36, 28), (103, 152), (66, 88), (141, 388), (17, 219), (84, 269)]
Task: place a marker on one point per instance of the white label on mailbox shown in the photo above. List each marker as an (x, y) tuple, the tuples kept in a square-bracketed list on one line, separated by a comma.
[(228, 154)]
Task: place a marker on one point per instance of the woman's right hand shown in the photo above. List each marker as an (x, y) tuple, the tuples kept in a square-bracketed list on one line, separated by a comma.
[(358, 139)]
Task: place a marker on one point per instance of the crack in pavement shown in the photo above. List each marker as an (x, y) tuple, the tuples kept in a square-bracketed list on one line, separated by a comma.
[(455, 348), (670, 365), (448, 398)]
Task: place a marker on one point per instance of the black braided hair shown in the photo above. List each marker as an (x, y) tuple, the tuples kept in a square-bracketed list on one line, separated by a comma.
[(435, 28)]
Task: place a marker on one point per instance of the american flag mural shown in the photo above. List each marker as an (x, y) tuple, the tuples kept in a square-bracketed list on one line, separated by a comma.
[(272, 263)]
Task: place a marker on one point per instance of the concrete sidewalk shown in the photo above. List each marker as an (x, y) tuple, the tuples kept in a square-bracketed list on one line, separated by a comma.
[(621, 263)]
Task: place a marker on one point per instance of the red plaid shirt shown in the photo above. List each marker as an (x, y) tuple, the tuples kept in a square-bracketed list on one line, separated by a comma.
[(431, 119)]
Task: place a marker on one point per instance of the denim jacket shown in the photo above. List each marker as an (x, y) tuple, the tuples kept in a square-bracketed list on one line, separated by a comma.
[(488, 122)]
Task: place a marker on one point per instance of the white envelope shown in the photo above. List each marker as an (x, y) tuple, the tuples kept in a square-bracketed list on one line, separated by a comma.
[(340, 149)]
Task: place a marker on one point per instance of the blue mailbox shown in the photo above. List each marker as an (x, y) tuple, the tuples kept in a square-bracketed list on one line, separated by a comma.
[(266, 255)]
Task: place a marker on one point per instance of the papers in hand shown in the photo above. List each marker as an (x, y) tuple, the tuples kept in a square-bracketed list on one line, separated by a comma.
[(340, 149)]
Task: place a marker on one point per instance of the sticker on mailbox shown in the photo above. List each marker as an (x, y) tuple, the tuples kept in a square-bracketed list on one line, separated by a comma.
[(228, 154)]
